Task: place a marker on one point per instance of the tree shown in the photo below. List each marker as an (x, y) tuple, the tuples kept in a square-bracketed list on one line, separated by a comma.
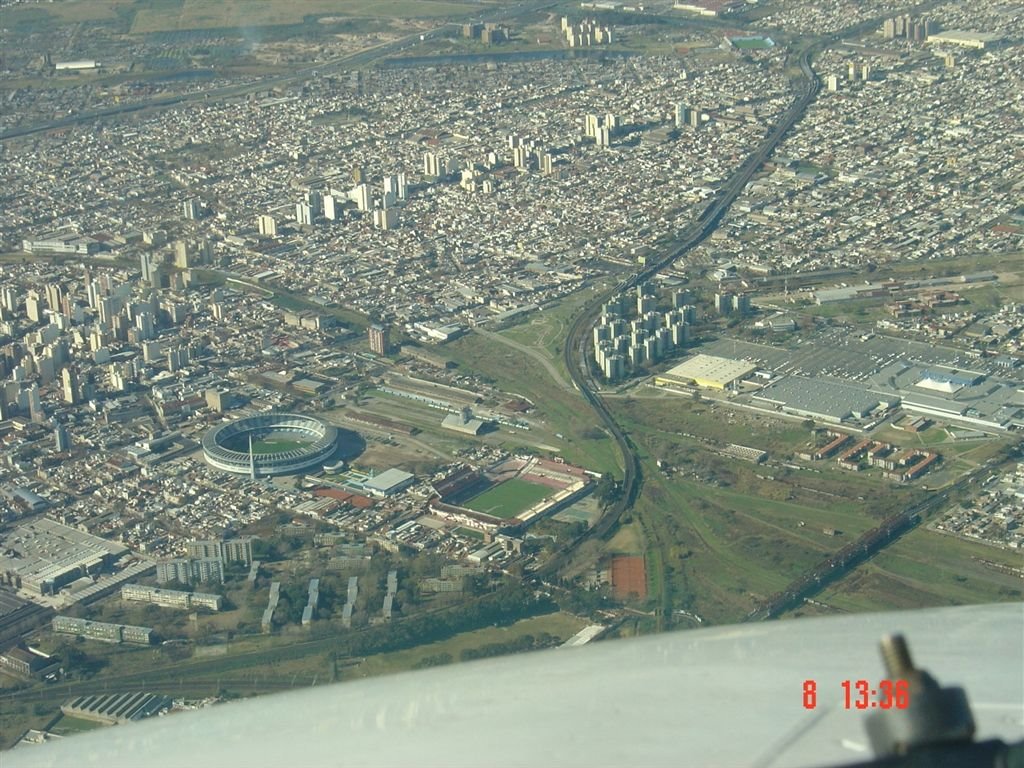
[(436, 660), (608, 490), (70, 655)]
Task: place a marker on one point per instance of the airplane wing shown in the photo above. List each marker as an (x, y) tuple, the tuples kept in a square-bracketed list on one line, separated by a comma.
[(723, 696)]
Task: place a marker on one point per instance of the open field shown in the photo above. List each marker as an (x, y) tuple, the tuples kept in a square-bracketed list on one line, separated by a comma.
[(508, 499), (17, 718), (67, 12), (67, 726), (707, 419), (727, 540), (720, 534), (561, 625), (989, 297), (959, 265), (719, 556), (545, 330), (925, 569), (628, 540), (558, 411), (246, 14)]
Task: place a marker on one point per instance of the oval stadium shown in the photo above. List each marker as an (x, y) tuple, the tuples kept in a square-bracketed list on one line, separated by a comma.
[(270, 444)]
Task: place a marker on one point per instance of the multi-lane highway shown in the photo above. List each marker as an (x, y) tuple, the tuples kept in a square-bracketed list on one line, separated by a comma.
[(575, 352), (686, 240)]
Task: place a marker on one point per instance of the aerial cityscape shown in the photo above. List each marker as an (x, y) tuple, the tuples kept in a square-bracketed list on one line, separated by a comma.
[(340, 339)]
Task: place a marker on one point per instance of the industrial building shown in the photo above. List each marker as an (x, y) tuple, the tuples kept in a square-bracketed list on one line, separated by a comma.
[(965, 39), (25, 661), (47, 555), (852, 293), (927, 380), (711, 8), (388, 482), (30, 500), (116, 708), (958, 395), (464, 422), (828, 401), (706, 371), (81, 65), (61, 242)]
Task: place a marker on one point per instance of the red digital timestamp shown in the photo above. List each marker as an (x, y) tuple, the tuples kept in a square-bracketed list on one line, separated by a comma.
[(861, 694)]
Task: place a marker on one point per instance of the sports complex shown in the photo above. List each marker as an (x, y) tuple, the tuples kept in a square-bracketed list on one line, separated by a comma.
[(511, 494), (270, 444)]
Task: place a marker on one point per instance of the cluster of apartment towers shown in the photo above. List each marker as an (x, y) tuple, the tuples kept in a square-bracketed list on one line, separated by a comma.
[(622, 343), (585, 33), (318, 204)]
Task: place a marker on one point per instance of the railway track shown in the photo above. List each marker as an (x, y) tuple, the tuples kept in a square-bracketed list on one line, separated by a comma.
[(574, 351)]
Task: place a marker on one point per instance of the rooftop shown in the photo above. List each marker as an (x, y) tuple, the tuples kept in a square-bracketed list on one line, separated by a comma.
[(710, 370)]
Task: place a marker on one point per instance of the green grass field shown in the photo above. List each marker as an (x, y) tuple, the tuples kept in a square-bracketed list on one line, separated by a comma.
[(509, 498), (752, 43), (69, 725), (545, 331), (268, 445)]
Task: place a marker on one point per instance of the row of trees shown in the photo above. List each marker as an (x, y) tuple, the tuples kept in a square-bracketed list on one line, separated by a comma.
[(502, 607), (520, 644)]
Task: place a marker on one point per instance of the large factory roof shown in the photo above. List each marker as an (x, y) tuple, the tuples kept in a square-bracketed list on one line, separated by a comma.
[(707, 371), (44, 549), (388, 482), (829, 401)]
